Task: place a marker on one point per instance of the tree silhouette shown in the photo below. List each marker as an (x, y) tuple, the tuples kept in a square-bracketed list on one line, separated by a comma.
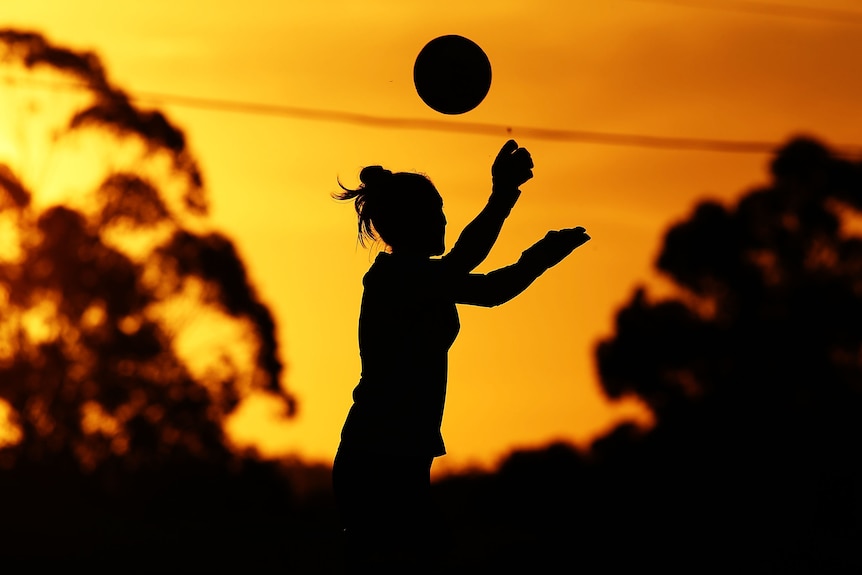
[(752, 368), (753, 371), (129, 330), (770, 303)]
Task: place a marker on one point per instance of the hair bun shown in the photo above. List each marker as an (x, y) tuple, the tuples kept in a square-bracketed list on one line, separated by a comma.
[(374, 175)]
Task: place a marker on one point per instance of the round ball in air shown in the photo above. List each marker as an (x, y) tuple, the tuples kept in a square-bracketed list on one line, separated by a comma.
[(452, 74)]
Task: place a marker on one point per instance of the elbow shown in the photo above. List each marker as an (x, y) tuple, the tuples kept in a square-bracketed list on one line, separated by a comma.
[(484, 301), (495, 301)]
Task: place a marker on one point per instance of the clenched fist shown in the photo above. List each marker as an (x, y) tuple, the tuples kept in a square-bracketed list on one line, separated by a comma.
[(513, 166)]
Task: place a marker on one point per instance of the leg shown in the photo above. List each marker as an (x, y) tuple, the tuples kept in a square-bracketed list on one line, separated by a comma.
[(385, 507)]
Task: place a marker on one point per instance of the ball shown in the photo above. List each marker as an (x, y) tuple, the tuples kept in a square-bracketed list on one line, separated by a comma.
[(452, 74)]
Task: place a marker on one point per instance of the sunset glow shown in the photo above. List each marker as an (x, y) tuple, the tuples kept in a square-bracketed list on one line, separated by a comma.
[(520, 375)]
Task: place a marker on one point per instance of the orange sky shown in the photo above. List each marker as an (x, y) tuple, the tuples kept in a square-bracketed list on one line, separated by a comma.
[(522, 374)]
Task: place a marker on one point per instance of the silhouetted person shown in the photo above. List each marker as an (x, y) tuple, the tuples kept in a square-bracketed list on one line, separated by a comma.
[(408, 321)]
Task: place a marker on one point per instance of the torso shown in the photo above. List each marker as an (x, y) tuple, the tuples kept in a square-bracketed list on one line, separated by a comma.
[(407, 323)]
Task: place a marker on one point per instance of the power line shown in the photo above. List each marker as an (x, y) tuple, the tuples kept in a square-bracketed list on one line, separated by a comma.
[(770, 9), (478, 128), (562, 135)]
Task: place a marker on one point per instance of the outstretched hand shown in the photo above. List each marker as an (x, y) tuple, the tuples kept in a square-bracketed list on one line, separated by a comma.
[(556, 245), (512, 167)]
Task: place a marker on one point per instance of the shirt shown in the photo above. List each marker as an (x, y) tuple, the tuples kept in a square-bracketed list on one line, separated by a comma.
[(407, 324)]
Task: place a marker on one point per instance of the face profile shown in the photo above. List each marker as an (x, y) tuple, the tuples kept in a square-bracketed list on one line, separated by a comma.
[(425, 234)]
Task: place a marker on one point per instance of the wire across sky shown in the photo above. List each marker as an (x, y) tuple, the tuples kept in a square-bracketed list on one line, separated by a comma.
[(740, 146)]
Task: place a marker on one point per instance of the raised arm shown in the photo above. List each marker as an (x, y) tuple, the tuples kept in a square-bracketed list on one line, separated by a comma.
[(499, 286), (512, 167)]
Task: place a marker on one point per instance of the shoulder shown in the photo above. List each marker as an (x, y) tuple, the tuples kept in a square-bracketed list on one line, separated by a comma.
[(381, 271), (393, 273)]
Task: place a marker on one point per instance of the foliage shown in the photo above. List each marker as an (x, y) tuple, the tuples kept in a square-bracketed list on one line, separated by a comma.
[(769, 307), (752, 369), (129, 330)]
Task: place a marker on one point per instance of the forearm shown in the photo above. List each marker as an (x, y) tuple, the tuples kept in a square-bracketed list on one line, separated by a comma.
[(501, 285), (478, 237)]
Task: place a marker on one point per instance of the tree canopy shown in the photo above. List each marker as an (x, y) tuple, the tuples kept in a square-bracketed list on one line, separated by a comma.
[(769, 307), (753, 369), (129, 328), (752, 366)]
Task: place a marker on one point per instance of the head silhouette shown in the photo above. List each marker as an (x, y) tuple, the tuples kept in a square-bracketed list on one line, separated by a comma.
[(403, 209)]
